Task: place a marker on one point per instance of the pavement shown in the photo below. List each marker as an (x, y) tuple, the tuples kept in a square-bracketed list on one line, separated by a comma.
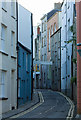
[(51, 104), (23, 108)]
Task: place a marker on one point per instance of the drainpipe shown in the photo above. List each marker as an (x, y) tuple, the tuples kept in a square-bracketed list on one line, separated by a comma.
[(66, 47), (78, 11), (32, 55), (60, 59), (17, 46)]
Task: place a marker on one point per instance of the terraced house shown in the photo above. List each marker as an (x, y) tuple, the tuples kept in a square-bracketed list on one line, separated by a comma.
[(52, 47), (8, 56), (66, 46)]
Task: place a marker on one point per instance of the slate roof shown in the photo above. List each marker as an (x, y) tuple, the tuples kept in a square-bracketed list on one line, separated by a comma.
[(51, 13)]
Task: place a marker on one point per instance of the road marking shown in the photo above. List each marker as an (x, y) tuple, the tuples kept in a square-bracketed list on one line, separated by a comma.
[(49, 109), (30, 109), (71, 110)]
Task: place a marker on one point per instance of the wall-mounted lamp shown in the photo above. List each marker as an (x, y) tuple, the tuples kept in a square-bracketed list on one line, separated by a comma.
[(79, 50)]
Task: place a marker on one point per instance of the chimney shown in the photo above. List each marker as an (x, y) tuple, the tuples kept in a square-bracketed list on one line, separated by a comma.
[(38, 30), (57, 5)]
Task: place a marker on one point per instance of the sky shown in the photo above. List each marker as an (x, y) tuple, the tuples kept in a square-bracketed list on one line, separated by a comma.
[(38, 8)]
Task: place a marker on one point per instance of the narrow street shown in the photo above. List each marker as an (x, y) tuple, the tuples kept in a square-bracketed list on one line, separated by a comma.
[(40, 59), (54, 106)]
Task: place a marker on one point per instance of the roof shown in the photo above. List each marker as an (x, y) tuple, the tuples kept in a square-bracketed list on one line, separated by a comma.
[(51, 13), (43, 17)]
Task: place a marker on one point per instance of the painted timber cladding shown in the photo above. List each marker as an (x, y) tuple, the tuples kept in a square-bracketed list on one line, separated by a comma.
[(24, 75)]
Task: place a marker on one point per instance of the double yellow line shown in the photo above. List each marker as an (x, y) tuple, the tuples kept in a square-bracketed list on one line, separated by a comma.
[(30, 109), (71, 110)]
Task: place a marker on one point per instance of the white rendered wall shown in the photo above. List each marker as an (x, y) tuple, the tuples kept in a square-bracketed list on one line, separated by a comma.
[(24, 27), (64, 31), (7, 63)]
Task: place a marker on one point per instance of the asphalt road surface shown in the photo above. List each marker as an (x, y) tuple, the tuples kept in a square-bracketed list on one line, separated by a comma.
[(54, 106)]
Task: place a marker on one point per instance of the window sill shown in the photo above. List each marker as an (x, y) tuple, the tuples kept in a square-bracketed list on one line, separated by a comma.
[(3, 98), (4, 9), (13, 17), (19, 98), (13, 57), (4, 53), (27, 71), (19, 65)]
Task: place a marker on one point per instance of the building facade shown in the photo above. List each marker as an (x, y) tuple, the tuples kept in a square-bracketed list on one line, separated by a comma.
[(37, 80), (44, 82), (8, 56), (25, 58), (56, 59), (78, 8), (66, 46), (52, 26)]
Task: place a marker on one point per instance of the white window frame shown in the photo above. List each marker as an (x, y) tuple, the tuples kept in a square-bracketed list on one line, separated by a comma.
[(51, 30), (13, 8), (12, 42), (3, 37), (42, 27), (69, 29), (2, 84), (42, 41), (45, 26), (54, 27), (4, 7)]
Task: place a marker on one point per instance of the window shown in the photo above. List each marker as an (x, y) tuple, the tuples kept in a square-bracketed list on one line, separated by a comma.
[(58, 53), (55, 71), (45, 26), (3, 37), (26, 62), (12, 42), (51, 30), (42, 42), (18, 87), (68, 4), (2, 84), (42, 27), (12, 8), (36, 45), (23, 59), (56, 61), (44, 78), (4, 5), (65, 9), (49, 39), (69, 29), (65, 32), (54, 27), (44, 57), (56, 46)]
